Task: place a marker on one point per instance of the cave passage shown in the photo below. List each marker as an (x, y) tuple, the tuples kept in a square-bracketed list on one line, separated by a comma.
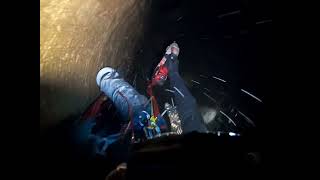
[(225, 52)]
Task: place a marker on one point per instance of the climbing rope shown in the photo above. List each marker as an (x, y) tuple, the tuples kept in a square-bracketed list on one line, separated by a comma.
[(130, 118)]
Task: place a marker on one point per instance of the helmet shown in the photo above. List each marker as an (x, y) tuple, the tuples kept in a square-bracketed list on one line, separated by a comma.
[(106, 72)]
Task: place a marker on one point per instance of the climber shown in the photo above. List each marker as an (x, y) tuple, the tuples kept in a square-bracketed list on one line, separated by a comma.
[(191, 119), (130, 104), (144, 120)]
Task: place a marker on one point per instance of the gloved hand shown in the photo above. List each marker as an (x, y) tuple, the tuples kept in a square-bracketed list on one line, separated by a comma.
[(171, 55), (173, 49)]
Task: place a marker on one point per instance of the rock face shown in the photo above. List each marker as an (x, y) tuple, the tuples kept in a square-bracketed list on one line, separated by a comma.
[(77, 39)]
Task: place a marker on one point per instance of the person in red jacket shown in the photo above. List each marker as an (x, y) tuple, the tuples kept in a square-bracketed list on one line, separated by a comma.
[(191, 118)]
